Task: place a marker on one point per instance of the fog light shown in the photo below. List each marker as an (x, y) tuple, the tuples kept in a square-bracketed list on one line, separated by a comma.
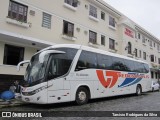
[(27, 99)]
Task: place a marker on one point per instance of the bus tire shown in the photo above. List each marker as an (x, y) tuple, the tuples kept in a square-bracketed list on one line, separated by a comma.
[(82, 96), (138, 90), (152, 89)]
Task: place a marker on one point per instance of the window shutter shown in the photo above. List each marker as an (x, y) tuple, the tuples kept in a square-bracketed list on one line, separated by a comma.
[(46, 20)]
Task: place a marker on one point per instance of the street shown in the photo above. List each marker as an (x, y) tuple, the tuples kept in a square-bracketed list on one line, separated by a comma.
[(147, 102)]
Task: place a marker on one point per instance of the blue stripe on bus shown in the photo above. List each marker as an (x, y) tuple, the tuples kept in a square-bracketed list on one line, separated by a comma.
[(138, 80), (127, 81), (130, 81)]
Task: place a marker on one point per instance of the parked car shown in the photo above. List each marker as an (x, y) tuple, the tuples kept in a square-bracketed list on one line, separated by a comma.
[(155, 86)]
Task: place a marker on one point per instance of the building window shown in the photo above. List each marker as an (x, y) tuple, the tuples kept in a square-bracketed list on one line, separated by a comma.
[(46, 22), (18, 11), (93, 11), (154, 44), (136, 55), (140, 53), (129, 48), (156, 75), (143, 39), (68, 28), (92, 37), (158, 60), (158, 47), (152, 74), (139, 36), (135, 34), (13, 55), (111, 44), (112, 21), (150, 42), (152, 58), (102, 15), (144, 55), (73, 3), (102, 40)]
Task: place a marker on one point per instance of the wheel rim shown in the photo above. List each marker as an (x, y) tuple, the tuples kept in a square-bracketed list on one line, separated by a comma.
[(82, 96), (138, 91)]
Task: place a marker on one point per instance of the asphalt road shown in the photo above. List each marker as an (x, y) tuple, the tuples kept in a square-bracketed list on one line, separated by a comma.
[(129, 103)]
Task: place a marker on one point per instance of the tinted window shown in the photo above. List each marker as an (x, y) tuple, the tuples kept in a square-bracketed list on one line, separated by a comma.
[(60, 63), (146, 67), (104, 61), (129, 65), (86, 60), (140, 67), (99, 61), (69, 52), (118, 64), (114, 63)]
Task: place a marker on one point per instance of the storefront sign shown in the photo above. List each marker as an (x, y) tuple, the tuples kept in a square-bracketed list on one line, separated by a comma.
[(129, 32)]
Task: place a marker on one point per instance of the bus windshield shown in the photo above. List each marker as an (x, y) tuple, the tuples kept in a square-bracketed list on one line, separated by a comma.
[(36, 69), (59, 61)]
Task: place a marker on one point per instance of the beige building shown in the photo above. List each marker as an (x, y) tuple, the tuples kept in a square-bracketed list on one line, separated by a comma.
[(27, 26)]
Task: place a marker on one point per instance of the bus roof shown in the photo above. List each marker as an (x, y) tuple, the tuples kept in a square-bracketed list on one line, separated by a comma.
[(95, 50)]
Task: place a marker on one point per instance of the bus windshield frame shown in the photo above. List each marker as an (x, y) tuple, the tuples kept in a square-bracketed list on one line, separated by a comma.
[(36, 69), (40, 64)]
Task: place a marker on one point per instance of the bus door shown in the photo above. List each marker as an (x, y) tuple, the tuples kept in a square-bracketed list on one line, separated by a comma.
[(58, 86)]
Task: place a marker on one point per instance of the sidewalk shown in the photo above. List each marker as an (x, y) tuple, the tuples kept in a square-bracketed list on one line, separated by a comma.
[(11, 103)]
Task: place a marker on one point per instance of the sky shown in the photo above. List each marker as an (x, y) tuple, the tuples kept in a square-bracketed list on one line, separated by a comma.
[(145, 13)]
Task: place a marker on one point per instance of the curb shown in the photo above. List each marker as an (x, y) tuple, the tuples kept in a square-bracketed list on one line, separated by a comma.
[(12, 103)]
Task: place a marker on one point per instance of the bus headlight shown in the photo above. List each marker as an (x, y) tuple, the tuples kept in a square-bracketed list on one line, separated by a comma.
[(34, 91)]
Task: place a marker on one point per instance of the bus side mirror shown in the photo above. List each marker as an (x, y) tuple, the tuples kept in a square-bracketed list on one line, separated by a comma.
[(23, 62)]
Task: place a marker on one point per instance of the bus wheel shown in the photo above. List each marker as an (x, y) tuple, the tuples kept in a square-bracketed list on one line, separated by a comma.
[(152, 89), (82, 96), (138, 90)]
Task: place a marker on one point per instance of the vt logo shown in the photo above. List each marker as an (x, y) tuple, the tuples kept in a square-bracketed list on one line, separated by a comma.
[(111, 80)]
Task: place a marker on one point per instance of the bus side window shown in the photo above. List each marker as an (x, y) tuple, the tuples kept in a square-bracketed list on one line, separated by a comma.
[(104, 61), (86, 60), (136, 67), (129, 65), (119, 64), (139, 67), (60, 63), (146, 67)]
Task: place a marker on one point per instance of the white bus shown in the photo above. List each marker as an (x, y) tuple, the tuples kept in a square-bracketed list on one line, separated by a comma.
[(67, 72)]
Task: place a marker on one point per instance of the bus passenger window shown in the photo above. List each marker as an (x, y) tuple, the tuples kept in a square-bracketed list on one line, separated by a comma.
[(104, 62), (118, 64), (146, 67), (139, 67), (58, 66), (60, 63), (129, 65), (86, 60)]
